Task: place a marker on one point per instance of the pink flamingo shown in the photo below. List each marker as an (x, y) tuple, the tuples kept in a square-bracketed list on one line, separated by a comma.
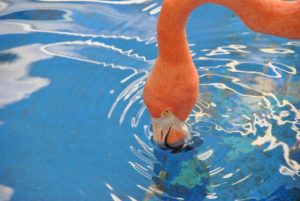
[(171, 90)]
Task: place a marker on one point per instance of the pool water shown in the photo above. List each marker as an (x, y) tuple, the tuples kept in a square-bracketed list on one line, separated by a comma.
[(73, 124)]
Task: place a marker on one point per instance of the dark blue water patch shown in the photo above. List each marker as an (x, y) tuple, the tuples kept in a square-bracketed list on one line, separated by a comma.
[(180, 175), (43, 14), (284, 194), (59, 145), (295, 155), (8, 57)]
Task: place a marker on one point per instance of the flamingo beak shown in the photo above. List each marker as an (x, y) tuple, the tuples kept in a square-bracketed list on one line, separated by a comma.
[(169, 132)]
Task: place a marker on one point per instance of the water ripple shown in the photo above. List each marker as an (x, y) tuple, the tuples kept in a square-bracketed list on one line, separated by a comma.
[(262, 113), (16, 84)]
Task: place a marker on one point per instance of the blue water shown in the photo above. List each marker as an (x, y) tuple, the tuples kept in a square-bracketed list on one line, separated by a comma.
[(73, 125)]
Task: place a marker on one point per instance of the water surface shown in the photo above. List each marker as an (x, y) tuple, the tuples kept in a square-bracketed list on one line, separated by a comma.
[(73, 124)]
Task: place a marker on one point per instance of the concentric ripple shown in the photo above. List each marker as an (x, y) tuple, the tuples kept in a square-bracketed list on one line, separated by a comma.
[(247, 125)]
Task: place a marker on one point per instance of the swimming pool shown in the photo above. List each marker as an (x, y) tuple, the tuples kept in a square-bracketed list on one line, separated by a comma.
[(73, 125)]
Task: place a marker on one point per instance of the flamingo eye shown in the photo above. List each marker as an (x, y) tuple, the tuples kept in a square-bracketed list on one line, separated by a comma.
[(165, 113)]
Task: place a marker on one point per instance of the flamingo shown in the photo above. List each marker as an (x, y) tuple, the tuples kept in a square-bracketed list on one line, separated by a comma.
[(171, 89)]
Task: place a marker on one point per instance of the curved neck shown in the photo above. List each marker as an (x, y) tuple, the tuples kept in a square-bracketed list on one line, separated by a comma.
[(276, 17), (172, 42)]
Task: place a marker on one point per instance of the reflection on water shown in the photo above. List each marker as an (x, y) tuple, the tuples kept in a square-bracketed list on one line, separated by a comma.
[(71, 85), (15, 83), (5, 192)]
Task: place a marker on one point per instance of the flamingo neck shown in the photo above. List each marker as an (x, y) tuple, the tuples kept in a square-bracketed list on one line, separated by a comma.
[(172, 42), (276, 17)]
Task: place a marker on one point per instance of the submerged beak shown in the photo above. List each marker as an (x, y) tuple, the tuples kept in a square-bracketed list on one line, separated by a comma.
[(169, 132)]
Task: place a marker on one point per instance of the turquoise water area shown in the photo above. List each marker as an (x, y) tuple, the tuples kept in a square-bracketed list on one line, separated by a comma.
[(74, 127)]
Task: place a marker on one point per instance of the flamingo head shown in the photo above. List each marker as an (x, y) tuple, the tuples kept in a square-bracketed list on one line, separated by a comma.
[(169, 131), (170, 95)]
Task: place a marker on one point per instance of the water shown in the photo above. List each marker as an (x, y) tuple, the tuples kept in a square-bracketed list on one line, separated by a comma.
[(74, 125)]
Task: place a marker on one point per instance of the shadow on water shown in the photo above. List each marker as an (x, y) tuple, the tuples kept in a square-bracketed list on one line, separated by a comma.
[(179, 174)]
